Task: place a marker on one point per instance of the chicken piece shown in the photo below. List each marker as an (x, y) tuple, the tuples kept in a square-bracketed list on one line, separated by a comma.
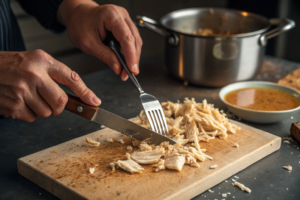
[(175, 161), (191, 132), (145, 147), (147, 157), (213, 166), (113, 167), (160, 165), (128, 165), (288, 167), (199, 155), (136, 143), (129, 148), (174, 131), (235, 145), (109, 139), (180, 139), (242, 187), (120, 140), (91, 170), (190, 160), (92, 142)]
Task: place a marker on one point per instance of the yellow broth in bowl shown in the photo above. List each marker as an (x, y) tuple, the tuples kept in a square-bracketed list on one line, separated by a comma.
[(262, 99)]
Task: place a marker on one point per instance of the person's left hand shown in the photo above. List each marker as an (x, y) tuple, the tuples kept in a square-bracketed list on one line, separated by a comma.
[(87, 24)]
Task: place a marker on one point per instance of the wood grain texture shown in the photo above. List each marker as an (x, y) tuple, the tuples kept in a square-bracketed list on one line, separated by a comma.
[(63, 170), (73, 103), (295, 130)]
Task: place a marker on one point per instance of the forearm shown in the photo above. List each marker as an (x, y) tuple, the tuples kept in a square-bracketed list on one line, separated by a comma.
[(68, 8)]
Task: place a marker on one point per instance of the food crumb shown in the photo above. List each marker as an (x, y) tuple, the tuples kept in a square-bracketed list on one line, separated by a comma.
[(91, 170), (226, 181), (254, 178), (291, 152), (102, 126), (235, 145), (92, 142), (287, 188), (236, 177), (40, 193), (210, 191), (288, 167), (286, 141), (228, 193), (233, 197), (292, 117), (224, 195), (129, 148), (213, 166)]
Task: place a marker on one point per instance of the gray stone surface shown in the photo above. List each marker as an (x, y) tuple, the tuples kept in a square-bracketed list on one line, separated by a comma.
[(19, 139)]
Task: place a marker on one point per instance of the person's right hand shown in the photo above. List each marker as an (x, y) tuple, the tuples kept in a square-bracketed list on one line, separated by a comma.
[(28, 89)]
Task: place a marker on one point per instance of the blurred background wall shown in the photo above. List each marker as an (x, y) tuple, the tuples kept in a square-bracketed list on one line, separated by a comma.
[(286, 46)]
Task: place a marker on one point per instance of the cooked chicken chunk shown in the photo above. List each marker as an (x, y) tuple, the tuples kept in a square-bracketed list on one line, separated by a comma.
[(127, 165), (288, 167), (91, 170), (243, 187), (160, 165), (147, 157), (109, 139), (175, 161), (92, 142), (120, 140), (129, 148)]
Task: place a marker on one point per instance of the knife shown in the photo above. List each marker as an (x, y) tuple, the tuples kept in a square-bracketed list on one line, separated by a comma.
[(115, 122)]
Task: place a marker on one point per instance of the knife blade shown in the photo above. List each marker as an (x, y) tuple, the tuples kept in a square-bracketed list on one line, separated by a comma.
[(115, 122)]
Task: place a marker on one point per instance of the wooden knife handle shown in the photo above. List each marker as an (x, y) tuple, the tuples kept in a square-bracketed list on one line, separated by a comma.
[(77, 106)]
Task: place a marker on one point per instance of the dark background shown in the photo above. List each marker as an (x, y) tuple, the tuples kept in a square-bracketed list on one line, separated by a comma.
[(286, 46)]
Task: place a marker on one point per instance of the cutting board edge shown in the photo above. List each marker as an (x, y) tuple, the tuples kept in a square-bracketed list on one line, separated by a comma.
[(180, 195), (54, 187)]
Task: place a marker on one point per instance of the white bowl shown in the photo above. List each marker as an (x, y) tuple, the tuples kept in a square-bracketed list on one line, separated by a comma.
[(262, 117)]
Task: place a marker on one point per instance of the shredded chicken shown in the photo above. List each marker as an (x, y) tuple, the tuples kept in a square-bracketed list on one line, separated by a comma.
[(242, 187), (160, 165), (288, 167), (175, 161), (92, 142), (189, 124), (109, 139), (213, 166), (147, 157), (236, 145), (120, 140), (127, 165), (91, 170)]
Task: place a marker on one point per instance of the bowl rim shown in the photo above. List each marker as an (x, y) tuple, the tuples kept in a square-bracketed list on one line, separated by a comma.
[(263, 83)]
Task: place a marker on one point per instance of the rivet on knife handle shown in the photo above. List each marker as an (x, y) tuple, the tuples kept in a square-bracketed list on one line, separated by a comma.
[(77, 106)]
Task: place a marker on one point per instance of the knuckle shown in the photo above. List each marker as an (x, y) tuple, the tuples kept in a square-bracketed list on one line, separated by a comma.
[(60, 105), (13, 109), (40, 54), (19, 90), (46, 113), (139, 41), (129, 37)]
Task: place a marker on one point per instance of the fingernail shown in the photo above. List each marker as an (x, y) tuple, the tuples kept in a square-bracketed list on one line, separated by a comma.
[(115, 68), (126, 78), (96, 100), (135, 68)]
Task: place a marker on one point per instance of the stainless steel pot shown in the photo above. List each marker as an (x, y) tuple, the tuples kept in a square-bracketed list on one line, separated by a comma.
[(215, 60)]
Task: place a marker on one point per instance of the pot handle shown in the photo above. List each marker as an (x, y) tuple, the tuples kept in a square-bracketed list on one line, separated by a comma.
[(284, 25), (146, 22)]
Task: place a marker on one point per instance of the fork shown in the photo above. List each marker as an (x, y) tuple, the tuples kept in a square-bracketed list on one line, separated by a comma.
[(152, 107)]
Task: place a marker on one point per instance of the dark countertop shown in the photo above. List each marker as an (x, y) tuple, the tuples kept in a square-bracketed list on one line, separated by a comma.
[(266, 178)]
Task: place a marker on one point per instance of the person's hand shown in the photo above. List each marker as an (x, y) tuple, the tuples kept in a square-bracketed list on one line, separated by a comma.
[(28, 89), (87, 24)]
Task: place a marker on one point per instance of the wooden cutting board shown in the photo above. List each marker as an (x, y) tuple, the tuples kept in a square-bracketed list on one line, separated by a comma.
[(63, 170)]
